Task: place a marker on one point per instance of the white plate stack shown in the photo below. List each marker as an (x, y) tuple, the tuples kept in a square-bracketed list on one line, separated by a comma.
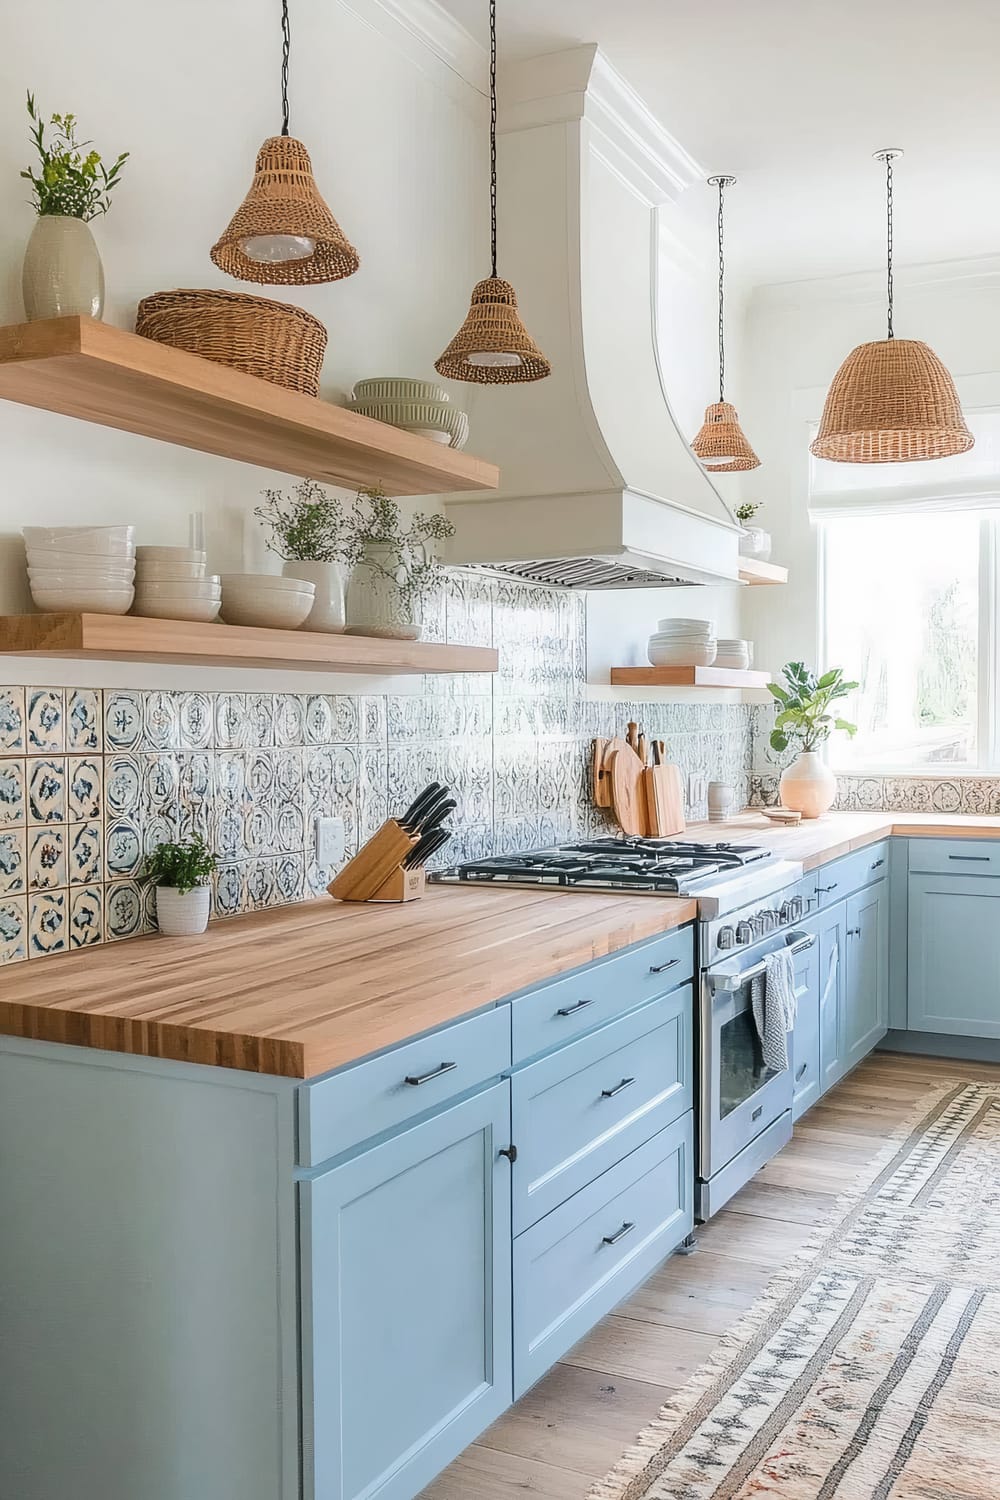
[(85, 568), (171, 584), (733, 654), (682, 643)]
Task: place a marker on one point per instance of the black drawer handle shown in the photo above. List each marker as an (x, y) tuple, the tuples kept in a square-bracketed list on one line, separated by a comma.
[(568, 1010), (757, 1112), (801, 1072), (975, 859), (824, 890), (671, 963), (420, 1078), (619, 1234), (618, 1088), (877, 863)]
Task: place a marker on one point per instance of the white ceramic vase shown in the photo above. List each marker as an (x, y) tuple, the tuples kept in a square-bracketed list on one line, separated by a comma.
[(328, 614), (182, 914), (376, 605), (62, 272), (755, 542), (808, 786)]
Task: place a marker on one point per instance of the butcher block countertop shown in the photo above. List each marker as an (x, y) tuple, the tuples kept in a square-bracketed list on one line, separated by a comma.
[(814, 841), (306, 988)]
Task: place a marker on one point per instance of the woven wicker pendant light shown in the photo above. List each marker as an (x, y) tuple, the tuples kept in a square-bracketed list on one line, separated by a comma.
[(721, 443), (283, 233), (493, 347), (891, 401)]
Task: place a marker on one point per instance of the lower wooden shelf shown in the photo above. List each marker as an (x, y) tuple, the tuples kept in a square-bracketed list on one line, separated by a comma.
[(131, 638), (699, 677), (755, 572)]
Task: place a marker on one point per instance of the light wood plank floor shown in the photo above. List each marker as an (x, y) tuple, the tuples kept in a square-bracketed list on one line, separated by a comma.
[(578, 1420)]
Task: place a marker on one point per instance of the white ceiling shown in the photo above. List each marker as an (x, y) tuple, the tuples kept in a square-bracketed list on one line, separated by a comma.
[(793, 96)]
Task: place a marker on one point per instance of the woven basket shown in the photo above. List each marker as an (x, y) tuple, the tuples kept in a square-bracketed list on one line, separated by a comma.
[(271, 340), (891, 402), (493, 325), (722, 438)]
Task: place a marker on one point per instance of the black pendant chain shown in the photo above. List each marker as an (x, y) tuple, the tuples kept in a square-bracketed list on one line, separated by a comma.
[(493, 135), (722, 183), (888, 156), (286, 47)]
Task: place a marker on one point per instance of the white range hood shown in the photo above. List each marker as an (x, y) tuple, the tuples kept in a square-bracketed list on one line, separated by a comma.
[(599, 488)]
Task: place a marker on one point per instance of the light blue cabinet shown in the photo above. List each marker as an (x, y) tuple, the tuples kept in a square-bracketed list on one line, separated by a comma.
[(831, 941), (866, 973), (406, 1317), (805, 1047), (954, 945)]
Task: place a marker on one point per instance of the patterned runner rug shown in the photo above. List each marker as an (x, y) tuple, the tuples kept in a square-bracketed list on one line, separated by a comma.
[(870, 1368)]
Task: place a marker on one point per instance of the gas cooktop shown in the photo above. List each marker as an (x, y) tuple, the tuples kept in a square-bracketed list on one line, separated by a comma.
[(665, 866)]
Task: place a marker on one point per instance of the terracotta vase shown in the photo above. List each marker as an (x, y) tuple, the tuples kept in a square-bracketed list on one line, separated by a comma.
[(328, 613), (376, 605), (808, 786), (62, 272)]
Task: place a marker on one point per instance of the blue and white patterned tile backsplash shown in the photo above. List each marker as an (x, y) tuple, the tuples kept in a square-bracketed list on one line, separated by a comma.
[(91, 779)]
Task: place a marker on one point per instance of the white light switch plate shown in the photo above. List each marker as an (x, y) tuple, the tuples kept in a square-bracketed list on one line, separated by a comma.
[(331, 842), (697, 789)]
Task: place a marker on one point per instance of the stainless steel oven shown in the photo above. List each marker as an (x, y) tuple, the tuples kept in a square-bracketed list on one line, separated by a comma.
[(745, 1106)]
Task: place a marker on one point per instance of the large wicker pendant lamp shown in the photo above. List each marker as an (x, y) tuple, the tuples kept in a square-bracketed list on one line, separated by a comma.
[(892, 401), (721, 444), (493, 347), (283, 232)]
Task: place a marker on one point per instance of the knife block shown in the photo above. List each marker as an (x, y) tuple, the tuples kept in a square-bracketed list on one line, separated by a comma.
[(376, 872)]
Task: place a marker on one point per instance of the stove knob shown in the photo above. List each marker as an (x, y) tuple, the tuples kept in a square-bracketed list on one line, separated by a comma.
[(744, 934), (787, 913), (726, 938), (798, 907)]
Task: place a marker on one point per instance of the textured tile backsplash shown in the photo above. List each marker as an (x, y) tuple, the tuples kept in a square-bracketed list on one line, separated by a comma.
[(91, 780)]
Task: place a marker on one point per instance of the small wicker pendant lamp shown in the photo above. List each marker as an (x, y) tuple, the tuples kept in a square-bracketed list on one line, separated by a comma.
[(721, 444), (493, 346), (892, 401), (283, 231)]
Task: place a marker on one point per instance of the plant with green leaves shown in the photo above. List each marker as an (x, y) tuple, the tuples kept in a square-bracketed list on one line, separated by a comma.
[(804, 707), (183, 866), (308, 525), (410, 562), (746, 512), (71, 181)]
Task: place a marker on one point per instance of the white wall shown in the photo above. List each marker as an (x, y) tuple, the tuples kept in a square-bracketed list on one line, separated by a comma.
[(191, 89)]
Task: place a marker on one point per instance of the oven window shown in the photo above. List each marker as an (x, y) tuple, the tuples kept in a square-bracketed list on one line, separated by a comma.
[(741, 1064)]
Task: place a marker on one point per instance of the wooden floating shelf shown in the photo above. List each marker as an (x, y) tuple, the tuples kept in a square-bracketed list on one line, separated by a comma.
[(90, 370), (699, 677), (756, 572), (131, 638)]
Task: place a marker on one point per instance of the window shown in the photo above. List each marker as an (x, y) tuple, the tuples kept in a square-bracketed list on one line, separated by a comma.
[(908, 612)]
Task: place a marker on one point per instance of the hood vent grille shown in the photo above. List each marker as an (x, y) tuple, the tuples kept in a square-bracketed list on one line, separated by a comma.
[(588, 573)]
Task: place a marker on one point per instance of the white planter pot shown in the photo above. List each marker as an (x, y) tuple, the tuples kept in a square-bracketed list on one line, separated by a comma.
[(62, 272), (375, 603), (184, 915), (328, 614), (808, 786), (755, 543)]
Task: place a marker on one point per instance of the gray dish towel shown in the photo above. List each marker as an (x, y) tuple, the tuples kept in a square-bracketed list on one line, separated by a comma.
[(772, 996)]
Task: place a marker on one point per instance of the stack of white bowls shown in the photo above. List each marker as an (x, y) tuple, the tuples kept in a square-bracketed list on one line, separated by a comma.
[(171, 584), (735, 654), (682, 643), (420, 406), (266, 600), (81, 567)]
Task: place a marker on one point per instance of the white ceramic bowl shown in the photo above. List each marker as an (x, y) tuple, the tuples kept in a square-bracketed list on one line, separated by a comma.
[(259, 583), (172, 607), (180, 588), (277, 610), (692, 656), (94, 601), (165, 572), (96, 578), (66, 558), (679, 625), (107, 540), (170, 555), (398, 388)]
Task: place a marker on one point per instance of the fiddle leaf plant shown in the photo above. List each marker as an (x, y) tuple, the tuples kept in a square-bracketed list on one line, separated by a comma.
[(183, 866), (804, 705), (70, 180)]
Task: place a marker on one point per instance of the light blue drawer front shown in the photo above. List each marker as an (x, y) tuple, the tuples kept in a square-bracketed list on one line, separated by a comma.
[(574, 1265), (842, 876), (581, 1109), (341, 1111), (557, 1013), (955, 856)]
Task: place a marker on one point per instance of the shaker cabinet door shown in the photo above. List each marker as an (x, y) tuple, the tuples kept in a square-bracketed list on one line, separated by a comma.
[(954, 955), (866, 992), (406, 1303)]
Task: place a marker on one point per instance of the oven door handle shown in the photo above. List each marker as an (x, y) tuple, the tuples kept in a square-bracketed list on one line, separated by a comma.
[(720, 980)]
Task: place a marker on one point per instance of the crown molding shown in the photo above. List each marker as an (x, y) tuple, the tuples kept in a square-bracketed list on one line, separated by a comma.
[(869, 286), (435, 42)]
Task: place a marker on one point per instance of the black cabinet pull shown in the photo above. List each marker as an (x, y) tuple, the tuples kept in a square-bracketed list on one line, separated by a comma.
[(420, 1078), (568, 1010), (876, 864), (757, 1112), (801, 1072), (854, 932), (659, 968), (510, 1152), (619, 1234), (974, 859), (824, 890), (618, 1088)]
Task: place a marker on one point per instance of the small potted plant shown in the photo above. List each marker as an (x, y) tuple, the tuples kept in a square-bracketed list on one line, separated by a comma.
[(62, 272), (808, 786), (755, 542), (181, 873), (309, 532), (396, 567)]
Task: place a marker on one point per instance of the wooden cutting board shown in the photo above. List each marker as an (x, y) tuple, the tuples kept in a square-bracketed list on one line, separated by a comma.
[(603, 750), (664, 792), (628, 794)]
